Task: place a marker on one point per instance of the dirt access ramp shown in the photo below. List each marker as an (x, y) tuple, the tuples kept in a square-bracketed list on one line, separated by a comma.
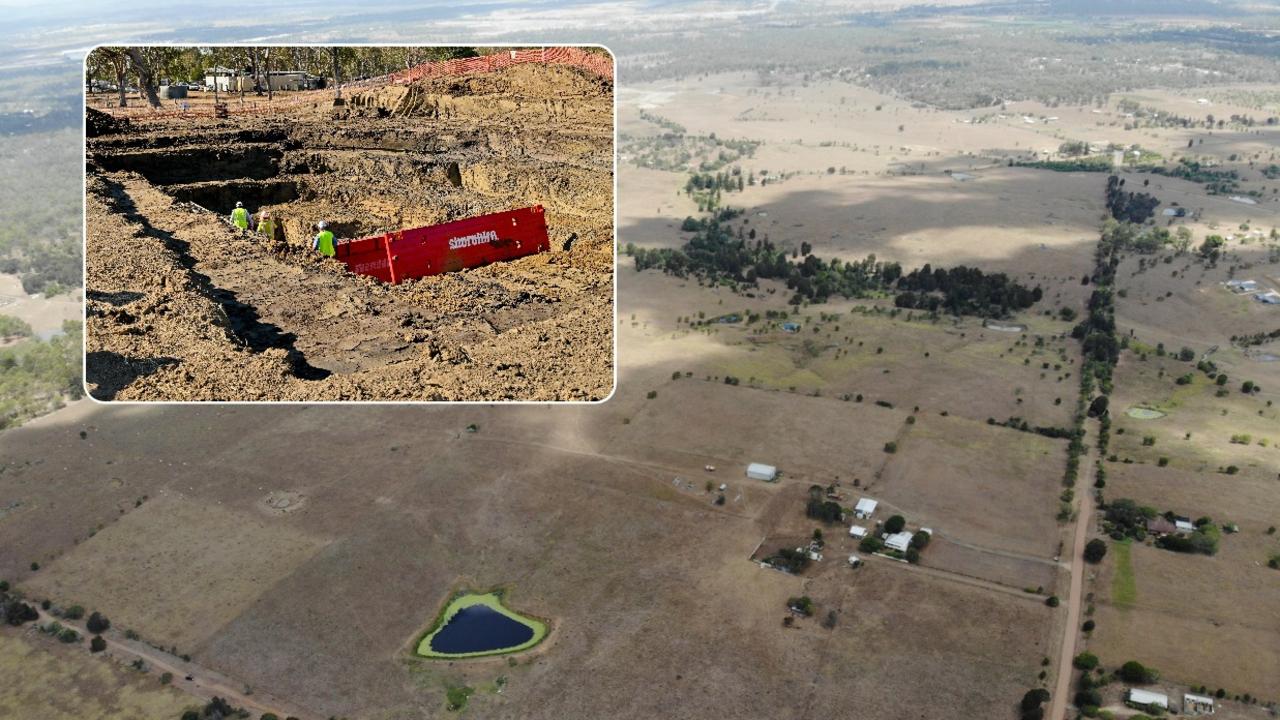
[(182, 306)]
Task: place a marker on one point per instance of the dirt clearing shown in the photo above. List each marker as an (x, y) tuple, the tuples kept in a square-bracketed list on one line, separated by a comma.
[(183, 306)]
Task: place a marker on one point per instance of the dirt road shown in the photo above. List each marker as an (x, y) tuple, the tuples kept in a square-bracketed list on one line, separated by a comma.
[(1071, 629), (204, 684)]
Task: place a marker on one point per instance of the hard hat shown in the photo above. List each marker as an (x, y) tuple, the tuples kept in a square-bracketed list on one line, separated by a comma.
[(322, 225), (239, 204)]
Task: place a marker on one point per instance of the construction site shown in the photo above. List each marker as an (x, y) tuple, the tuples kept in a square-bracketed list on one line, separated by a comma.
[(508, 155)]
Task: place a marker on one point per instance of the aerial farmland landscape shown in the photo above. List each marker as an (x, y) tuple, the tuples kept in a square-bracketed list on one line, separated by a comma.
[(948, 353)]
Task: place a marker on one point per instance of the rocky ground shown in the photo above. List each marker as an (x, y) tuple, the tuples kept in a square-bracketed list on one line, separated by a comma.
[(182, 306)]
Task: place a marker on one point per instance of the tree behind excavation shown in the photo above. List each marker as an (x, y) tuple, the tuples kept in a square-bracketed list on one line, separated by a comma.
[(146, 77)]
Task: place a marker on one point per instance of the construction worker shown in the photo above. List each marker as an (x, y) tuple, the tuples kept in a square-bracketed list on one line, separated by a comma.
[(240, 216), (323, 241), (266, 226)]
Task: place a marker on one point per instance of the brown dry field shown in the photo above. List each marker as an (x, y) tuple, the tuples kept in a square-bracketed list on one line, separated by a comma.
[(222, 559), (1195, 409), (45, 680), (184, 307), (948, 474), (630, 571), (933, 366), (1223, 606)]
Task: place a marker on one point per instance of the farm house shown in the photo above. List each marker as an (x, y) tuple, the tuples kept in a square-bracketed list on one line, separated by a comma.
[(898, 541), (760, 471)]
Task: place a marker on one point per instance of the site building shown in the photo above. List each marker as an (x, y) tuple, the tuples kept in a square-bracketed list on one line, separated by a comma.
[(857, 531), (760, 471), (865, 508), (1193, 704), (898, 541), (1145, 698)]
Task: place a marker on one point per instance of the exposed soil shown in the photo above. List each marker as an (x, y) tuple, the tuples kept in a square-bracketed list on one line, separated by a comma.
[(183, 306)]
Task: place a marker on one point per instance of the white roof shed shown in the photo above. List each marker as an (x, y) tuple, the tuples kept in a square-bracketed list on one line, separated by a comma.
[(760, 471), (857, 531), (1184, 525), (865, 507), (1138, 696)]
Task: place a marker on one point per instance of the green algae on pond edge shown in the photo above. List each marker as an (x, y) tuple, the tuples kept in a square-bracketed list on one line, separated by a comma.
[(488, 603), (1143, 413)]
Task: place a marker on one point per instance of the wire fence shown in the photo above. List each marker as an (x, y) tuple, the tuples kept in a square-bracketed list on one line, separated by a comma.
[(600, 64)]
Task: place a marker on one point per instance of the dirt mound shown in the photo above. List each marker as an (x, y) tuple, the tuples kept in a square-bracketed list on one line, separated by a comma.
[(183, 306), (542, 90), (98, 123)]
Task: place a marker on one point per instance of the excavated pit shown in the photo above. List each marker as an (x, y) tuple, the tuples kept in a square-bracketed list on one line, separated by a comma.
[(221, 314)]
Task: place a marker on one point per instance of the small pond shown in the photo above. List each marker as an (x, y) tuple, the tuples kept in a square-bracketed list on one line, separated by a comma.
[(474, 625), (1141, 413)]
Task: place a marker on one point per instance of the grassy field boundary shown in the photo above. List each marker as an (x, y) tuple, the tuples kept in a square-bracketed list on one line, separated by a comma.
[(1124, 588)]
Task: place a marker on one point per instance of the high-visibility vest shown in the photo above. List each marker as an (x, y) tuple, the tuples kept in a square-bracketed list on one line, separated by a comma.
[(240, 218), (324, 243), (267, 227)]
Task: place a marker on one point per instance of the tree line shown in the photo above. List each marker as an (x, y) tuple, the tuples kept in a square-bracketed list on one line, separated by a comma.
[(723, 253), (149, 67)]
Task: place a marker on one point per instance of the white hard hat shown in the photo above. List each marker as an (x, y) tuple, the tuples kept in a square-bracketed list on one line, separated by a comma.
[(322, 224), (239, 204)]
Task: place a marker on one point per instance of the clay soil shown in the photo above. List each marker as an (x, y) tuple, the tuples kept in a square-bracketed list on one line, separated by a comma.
[(183, 306)]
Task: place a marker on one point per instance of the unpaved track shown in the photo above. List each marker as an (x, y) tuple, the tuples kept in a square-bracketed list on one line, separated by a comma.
[(204, 684), (1071, 629)]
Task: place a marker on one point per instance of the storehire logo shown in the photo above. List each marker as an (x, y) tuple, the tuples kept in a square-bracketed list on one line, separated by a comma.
[(466, 241)]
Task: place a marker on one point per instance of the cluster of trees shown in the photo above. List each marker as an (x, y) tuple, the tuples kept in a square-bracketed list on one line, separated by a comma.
[(819, 508), (1049, 431), (1125, 206), (12, 327), (219, 709), (1092, 163), (40, 211), (789, 560), (1032, 705), (1216, 182), (1125, 518), (14, 610), (148, 67), (723, 253), (38, 375), (964, 291), (1258, 338)]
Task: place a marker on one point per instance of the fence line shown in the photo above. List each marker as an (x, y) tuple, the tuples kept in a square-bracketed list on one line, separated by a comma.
[(597, 63)]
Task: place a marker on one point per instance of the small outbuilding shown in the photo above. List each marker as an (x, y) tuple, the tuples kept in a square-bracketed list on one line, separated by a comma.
[(898, 541), (865, 508), (1139, 698), (1184, 526), (760, 471), (1193, 704), (857, 531)]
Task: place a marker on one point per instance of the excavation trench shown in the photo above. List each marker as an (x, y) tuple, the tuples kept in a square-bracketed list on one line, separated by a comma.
[(538, 327)]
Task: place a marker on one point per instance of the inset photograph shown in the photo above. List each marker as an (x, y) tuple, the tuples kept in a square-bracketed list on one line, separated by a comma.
[(349, 224)]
